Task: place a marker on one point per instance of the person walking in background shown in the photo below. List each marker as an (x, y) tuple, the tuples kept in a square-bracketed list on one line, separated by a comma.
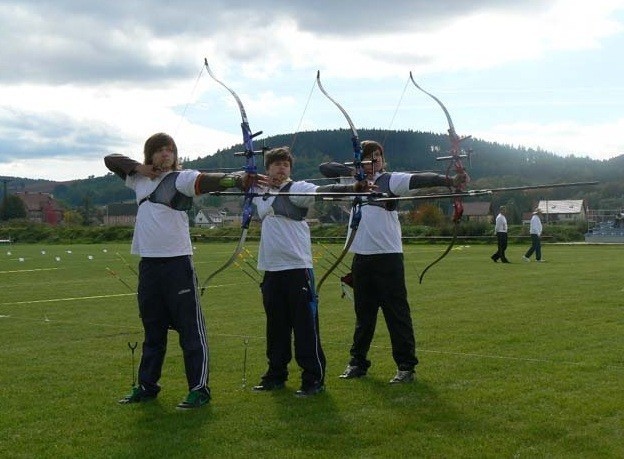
[(167, 291), (288, 294), (500, 228), (535, 230), (378, 268)]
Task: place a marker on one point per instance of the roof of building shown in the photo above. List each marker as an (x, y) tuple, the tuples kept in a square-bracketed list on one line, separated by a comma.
[(478, 208), (210, 212), (38, 201), (569, 206)]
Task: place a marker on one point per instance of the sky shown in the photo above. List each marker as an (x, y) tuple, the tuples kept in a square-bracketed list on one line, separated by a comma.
[(80, 79)]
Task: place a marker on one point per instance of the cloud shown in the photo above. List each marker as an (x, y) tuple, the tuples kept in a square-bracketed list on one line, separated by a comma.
[(90, 78), (31, 135), (566, 138)]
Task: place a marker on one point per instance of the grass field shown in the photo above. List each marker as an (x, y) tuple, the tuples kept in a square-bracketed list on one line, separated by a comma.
[(521, 360)]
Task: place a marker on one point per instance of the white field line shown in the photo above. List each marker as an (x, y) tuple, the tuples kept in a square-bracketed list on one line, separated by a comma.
[(57, 300), (28, 270)]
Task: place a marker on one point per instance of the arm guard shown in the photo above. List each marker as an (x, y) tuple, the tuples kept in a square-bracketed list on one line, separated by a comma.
[(357, 187), (215, 181), (429, 179), (337, 188), (121, 165)]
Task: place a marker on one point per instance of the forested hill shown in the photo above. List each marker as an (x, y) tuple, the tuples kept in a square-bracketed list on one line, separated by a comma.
[(491, 164)]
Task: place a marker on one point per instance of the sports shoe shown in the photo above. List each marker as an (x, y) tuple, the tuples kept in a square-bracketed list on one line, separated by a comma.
[(195, 399), (307, 391), (353, 371), (403, 376), (139, 394), (268, 385), (525, 258)]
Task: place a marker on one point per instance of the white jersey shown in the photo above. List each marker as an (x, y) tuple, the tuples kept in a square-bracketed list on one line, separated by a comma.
[(161, 231), (380, 230), (501, 224), (285, 243), (536, 225)]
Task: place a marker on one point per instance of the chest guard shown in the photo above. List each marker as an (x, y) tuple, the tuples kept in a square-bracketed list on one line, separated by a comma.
[(284, 207), (383, 186), (167, 194)]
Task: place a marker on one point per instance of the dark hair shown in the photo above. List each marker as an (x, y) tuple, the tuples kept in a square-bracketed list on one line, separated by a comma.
[(369, 147), (155, 143), (278, 154)]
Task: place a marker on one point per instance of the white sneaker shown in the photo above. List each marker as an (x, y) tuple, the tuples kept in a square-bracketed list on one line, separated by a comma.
[(525, 258)]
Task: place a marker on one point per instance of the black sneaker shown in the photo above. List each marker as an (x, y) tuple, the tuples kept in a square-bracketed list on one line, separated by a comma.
[(403, 376), (139, 394), (307, 391), (268, 385), (195, 399), (353, 371)]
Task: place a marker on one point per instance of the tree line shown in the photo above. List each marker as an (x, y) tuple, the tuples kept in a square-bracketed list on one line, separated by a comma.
[(491, 165)]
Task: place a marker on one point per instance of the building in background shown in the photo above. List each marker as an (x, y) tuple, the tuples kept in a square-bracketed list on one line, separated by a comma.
[(120, 214), (480, 211), (41, 207), (562, 211), (209, 217)]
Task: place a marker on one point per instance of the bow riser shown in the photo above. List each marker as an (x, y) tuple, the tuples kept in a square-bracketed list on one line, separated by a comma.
[(455, 162), (250, 168), (356, 212)]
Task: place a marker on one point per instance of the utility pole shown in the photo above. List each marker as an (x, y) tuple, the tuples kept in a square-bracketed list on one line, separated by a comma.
[(5, 198)]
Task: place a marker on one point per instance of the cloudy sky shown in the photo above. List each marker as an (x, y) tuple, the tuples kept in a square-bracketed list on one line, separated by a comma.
[(82, 79)]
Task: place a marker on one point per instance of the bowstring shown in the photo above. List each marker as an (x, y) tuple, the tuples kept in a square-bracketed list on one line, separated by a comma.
[(410, 260), (183, 114), (305, 109), (396, 110)]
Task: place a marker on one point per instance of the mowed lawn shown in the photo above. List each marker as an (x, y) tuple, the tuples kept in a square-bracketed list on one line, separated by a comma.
[(521, 360)]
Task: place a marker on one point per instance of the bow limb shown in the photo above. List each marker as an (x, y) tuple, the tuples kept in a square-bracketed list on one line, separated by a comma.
[(233, 257), (446, 112), (355, 138), (250, 168), (455, 162), (339, 258), (356, 210)]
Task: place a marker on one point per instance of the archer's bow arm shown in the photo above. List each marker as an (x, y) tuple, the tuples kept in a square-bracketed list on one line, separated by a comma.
[(124, 166)]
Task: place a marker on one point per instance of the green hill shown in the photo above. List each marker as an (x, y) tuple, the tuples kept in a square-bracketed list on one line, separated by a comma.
[(490, 165)]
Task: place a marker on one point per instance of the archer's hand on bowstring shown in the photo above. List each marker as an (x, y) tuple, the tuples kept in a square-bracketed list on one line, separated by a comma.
[(150, 171), (340, 171), (363, 186), (459, 180), (247, 181)]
